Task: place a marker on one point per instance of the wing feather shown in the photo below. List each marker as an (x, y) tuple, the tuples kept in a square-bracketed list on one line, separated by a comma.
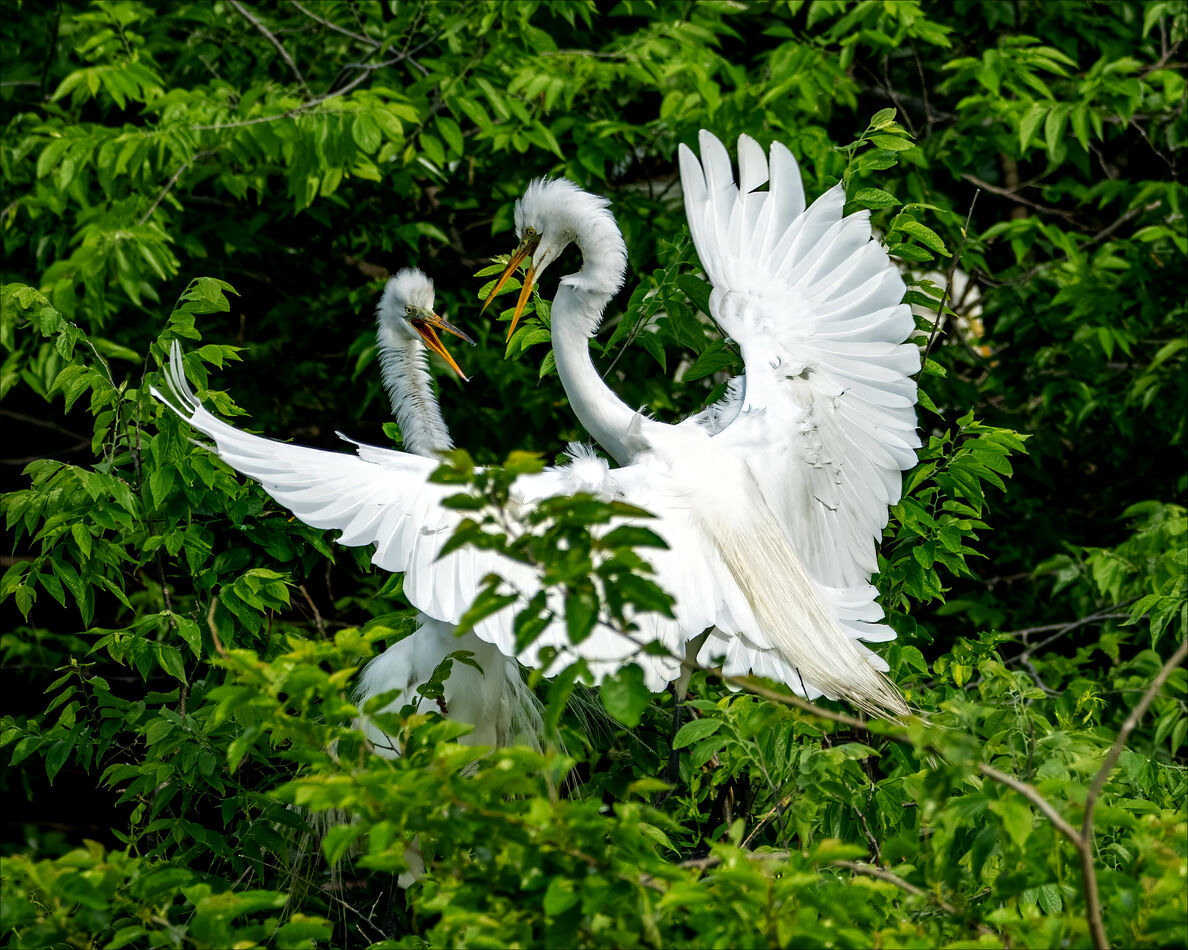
[(826, 420), (383, 497)]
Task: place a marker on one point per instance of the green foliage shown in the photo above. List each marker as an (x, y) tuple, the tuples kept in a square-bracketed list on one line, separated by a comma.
[(182, 652)]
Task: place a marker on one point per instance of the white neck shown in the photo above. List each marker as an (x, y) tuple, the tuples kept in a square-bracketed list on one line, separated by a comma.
[(576, 313), (605, 416), (409, 386)]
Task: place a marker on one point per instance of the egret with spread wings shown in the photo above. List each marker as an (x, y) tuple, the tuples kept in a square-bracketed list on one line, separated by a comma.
[(800, 461)]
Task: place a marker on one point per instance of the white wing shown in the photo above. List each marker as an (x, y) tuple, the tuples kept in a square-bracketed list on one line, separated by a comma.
[(826, 419), (383, 497)]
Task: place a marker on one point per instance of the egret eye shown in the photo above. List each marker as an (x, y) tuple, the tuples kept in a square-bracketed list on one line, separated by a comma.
[(529, 232), (408, 310)]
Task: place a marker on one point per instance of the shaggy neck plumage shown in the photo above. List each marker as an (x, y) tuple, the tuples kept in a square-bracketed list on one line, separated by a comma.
[(577, 312), (409, 386)]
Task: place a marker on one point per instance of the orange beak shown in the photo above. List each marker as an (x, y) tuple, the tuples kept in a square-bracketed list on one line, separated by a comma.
[(525, 250), (426, 323)]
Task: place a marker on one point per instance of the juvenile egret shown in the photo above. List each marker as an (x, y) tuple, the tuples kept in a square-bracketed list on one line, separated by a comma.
[(822, 422), (494, 700)]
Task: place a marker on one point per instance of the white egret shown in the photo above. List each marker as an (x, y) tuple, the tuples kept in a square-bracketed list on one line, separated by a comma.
[(822, 421), (729, 562), (494, 700)]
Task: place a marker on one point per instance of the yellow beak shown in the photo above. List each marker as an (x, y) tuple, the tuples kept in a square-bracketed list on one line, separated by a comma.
[(525, 250), (427, 323)]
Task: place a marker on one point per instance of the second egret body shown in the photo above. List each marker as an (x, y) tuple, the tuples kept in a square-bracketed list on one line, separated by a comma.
[(495, 701)]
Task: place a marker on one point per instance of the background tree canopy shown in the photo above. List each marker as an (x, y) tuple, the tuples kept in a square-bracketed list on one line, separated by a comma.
[(179, 654)]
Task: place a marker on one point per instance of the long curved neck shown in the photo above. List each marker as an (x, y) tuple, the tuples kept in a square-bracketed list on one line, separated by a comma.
[(409, 386), (576, 313), (603, 414)]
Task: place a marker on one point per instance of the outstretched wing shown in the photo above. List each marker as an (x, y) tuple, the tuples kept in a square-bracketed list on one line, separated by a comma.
[(384, 497), (826, 420)]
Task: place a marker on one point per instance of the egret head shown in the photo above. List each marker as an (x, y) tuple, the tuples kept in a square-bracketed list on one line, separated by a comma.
[(406, 311), (552, 214)]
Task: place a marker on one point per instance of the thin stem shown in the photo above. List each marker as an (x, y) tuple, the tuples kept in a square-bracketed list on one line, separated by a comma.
[(940, 310), (284, 53), (1033, 795), (334, 26), (1092, 899), (296, 110)]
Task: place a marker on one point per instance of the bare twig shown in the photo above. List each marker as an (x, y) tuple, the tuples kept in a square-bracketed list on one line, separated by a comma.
[(1092, 900), (875, 850), (43, 423), (214, 632), (1015, 196), (247, 15), (1032, 794), (753, 686), (940, 310), (314, 607), (882, 874), (1109, 613), (1025, 632), (858, 867), (1034, 674), (772, 813), (334, 26), (168, 187), (26, 459), (53, 45), (1129, 215), (928, 117), (296, 110)]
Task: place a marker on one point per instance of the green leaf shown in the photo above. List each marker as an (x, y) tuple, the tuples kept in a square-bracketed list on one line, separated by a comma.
[(874, 198), (366, 133), (892, 143), (625, 695), (925, 235), (1031, 121), (1016, 818), (694, 731), (696, 290), (713, 360), (581, 613)]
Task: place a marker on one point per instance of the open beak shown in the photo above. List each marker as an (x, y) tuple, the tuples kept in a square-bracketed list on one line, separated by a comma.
[(427, 323), (525, 250)]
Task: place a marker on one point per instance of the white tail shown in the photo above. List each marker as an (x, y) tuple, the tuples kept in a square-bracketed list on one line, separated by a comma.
[(792, 610)]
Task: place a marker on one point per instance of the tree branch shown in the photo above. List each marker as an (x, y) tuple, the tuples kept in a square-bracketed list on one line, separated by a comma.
[(1015, 196), (1033, 795), (940, 310), (1092, 899), (314, 607), (53, 46), (247, 15), (1083, 840), (163, 192), (334, 26)]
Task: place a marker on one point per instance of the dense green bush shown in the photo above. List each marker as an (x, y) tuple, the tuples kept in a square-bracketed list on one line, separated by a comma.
[(179, 654)]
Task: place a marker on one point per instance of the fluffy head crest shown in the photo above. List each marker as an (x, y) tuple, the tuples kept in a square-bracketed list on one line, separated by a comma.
[(557, 205), (562, 214), (409, 288)]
